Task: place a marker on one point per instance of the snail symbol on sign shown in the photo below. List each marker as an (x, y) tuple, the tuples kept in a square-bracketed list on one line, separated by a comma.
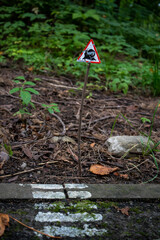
[(89, 54)]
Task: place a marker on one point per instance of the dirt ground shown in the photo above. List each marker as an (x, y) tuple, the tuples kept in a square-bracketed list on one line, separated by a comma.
[(45, 146)]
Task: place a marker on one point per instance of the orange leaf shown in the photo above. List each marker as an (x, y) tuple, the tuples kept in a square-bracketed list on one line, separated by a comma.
[(4, 221), (30, 69), (125, 176), (1, 53), (92, 145), (102, 170)]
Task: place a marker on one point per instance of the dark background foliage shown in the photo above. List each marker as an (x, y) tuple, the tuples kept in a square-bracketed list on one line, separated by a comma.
[(49, 36)]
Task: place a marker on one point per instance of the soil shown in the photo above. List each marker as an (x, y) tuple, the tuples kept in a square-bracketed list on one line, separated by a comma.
[(45, 146)]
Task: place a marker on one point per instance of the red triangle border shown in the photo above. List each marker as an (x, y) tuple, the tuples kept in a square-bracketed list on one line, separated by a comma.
[(99, 61)]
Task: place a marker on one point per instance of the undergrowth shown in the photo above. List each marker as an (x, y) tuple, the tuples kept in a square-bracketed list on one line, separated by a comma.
[(49, 36)]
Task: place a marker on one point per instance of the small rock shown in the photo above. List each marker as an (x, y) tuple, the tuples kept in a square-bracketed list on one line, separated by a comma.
[(1, 172), (120, 145), (4, 157), (24, 165)]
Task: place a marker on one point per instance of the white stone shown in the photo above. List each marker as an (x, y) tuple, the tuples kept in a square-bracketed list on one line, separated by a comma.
[(120, 145), (23, 165)]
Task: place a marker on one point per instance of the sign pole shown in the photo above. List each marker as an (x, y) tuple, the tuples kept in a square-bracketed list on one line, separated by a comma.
[(80, 121)]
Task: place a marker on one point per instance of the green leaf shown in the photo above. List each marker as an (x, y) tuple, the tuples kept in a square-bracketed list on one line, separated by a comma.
[(50, 110), (123, 87), (44, 105), (144, 120), (32, 104), (14, 90), (16, 81), (37, 79), (77, 15), (9, 149), (32, 90), (20, 78), (25, 96), (30, 83)]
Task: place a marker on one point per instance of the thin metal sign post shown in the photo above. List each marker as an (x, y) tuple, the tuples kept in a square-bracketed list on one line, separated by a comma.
[(80, 121), (89, 55)]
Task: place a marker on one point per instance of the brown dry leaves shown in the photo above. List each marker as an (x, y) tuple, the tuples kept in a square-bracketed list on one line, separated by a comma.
[(4, 221), (102, 170), (124, 210)]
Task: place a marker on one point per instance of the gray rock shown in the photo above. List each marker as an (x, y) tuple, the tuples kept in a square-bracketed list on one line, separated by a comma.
[(23, 165), (124, 145)]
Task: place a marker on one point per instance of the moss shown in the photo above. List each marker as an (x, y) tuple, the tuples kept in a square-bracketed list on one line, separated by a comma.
[(56, 206), (77, 207), (127, 234), (136, 210), (139, 220), (107, 204), (19, 212)]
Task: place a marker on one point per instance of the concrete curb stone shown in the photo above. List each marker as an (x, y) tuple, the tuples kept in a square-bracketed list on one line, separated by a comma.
[(79, 191)]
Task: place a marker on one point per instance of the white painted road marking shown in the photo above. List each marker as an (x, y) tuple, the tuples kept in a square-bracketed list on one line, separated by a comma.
[(71, 217), (64, 231), (73, 185), (79, 194), (48, 195), (47, 186), (71, 224)]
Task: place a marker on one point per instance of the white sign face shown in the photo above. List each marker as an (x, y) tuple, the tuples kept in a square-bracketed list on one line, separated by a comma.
[(89, 54)]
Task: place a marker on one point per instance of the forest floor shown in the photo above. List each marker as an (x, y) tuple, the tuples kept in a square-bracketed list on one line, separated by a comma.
[(45, 146)]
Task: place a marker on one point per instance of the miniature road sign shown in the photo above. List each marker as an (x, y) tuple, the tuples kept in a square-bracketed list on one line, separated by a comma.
[(90, 54)]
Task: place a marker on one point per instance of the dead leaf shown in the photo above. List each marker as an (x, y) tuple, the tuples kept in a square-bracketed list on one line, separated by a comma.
[(4, 221), (28, 152), (63, 139), (13, 179), (123, 210), (92, 145), (131, 108), (125, 176), (102, 170), (99, 136), (30, 69)]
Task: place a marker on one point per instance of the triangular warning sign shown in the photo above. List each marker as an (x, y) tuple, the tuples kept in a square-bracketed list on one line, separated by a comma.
[(89, 54)]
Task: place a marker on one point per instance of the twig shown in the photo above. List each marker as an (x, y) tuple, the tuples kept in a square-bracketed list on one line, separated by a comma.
[(19, 173), (63, 125), (35, 230), (26, 171), (134, 167)]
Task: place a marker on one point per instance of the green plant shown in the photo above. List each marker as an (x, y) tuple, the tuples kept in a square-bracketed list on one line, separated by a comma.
[(51, 108), (8, 149), (25, 93), (144, 120), (48, 37), (156, 79)]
